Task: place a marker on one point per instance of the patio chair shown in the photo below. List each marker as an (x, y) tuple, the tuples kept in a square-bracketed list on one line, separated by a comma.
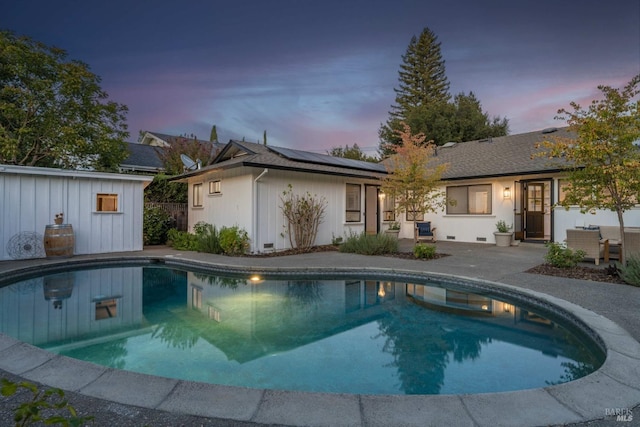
[(589, 241), (424, 231)]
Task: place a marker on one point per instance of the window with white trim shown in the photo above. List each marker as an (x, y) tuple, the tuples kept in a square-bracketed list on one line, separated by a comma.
[(215, 187), (197, 195), (388, 208), (469, 199), (353, 209)]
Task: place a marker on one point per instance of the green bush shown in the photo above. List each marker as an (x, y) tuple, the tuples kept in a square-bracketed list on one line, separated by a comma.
[(424, 251), (370, 244), (560, 256), (156, 223), (630, 273), (50, 401), (208, 238), (234, 240), (182, 240)]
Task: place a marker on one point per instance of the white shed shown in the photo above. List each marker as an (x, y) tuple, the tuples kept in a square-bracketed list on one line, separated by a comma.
[(105, 210)]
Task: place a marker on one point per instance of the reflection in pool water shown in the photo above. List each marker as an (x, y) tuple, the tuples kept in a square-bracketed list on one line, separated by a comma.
[(326, 334)]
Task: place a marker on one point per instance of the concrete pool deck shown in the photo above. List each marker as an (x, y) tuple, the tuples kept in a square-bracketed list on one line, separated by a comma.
[(128, 399)]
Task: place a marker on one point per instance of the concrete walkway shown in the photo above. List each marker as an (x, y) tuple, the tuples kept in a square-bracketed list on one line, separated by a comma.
[(128, 399)]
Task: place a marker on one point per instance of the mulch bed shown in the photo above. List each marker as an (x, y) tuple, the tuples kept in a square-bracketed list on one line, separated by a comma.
[(582, 273)]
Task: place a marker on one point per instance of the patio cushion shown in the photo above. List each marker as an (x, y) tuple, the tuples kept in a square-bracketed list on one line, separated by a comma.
[(424, 228)]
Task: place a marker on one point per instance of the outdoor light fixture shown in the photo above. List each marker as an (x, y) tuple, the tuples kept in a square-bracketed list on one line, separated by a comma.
[(507, 193)]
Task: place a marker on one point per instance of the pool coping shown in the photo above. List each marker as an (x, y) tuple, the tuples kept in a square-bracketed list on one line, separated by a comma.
[(617, 382)]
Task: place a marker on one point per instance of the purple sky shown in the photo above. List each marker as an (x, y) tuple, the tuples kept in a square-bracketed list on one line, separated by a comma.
[(321, 74)]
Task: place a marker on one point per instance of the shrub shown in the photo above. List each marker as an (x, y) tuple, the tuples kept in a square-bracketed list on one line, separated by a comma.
[(304, 215), (155, 225), (560, 256), (182, 240), (424, 251), (630, 273), (233, 240), (208, 238), (50, 400), (370, 244)]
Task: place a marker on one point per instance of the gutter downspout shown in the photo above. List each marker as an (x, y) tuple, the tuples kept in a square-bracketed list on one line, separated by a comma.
[(254, 220)]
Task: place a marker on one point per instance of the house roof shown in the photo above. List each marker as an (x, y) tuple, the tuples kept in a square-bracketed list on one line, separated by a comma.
[(142, 158), (242, 153), (492, 157), (500, 156)]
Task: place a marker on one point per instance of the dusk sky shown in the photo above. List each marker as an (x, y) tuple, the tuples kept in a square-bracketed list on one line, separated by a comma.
[(321, 74)]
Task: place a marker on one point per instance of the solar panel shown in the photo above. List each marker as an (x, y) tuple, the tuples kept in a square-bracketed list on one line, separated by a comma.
[(325, 159)]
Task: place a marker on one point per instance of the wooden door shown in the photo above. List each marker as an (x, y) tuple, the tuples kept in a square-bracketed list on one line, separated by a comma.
[(371, 209), (535, 210)]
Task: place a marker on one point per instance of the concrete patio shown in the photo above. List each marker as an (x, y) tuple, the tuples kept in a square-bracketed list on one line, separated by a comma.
[(128, 399)]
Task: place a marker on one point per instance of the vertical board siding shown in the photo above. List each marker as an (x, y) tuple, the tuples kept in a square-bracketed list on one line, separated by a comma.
[(30, 202)]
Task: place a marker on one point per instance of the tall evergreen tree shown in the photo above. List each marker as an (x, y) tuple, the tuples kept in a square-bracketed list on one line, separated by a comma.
[(422, 77), (213, 137), (424, 103)]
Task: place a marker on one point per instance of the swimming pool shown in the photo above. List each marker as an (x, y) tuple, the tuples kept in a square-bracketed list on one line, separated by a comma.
[(349, 333)]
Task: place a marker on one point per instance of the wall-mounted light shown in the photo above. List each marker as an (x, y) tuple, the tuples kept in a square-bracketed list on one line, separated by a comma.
[(506, 194), (381, 195)]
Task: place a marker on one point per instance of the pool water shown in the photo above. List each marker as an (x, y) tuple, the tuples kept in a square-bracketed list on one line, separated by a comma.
[(343, 335)]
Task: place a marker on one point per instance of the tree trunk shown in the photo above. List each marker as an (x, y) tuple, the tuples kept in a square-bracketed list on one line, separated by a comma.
[(622, 245)]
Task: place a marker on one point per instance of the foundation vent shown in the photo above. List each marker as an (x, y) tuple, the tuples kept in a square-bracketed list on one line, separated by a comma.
[(268, 246), (451, 237), (481, 239)]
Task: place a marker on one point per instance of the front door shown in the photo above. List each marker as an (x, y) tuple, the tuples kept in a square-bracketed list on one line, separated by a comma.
[(371, 209), (535, 210)]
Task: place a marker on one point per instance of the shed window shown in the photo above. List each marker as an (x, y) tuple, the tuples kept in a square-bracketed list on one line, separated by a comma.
[(106, 202), (197, 195), (469, 199), (352, 212)]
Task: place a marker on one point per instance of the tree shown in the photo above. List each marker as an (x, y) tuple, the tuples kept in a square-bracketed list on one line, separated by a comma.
[(424, 103), (412, 180), (202, 151), (604, 162), (422, 77), (213, 137), (53, 112), (353, 152)]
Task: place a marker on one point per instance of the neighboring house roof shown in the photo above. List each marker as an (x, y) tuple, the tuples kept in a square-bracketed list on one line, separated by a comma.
[(249, 154), (142, 158), (500, 156)]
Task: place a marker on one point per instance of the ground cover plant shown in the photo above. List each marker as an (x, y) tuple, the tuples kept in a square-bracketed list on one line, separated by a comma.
[(370, 244)]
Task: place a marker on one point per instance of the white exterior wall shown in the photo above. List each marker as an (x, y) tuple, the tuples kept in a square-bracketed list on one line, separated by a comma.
[(255, 205), (229, 208), (31, 197), (468, 228)]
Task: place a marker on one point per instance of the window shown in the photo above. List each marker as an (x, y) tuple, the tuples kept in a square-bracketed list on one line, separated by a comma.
[(469, 199), (388, 208), (106, 202), (214, 187), (415, 216), (353, 203), (197, 195)]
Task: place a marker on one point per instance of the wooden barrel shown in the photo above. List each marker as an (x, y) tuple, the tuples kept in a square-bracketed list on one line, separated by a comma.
[(58, 240)]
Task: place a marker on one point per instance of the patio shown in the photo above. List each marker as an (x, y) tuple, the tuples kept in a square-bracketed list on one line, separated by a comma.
[(190, 403)]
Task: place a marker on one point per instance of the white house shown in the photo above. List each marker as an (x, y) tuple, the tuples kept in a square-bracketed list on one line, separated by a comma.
[(492, 179), (503, 178), (105, 210), (246, 181)]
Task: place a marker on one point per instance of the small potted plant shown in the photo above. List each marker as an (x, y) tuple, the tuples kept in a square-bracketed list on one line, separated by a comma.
[(59, 218), (393, 229), (504, 235)]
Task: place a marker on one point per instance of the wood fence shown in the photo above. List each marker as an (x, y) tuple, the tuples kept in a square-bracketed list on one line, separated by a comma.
[(178, 212)]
